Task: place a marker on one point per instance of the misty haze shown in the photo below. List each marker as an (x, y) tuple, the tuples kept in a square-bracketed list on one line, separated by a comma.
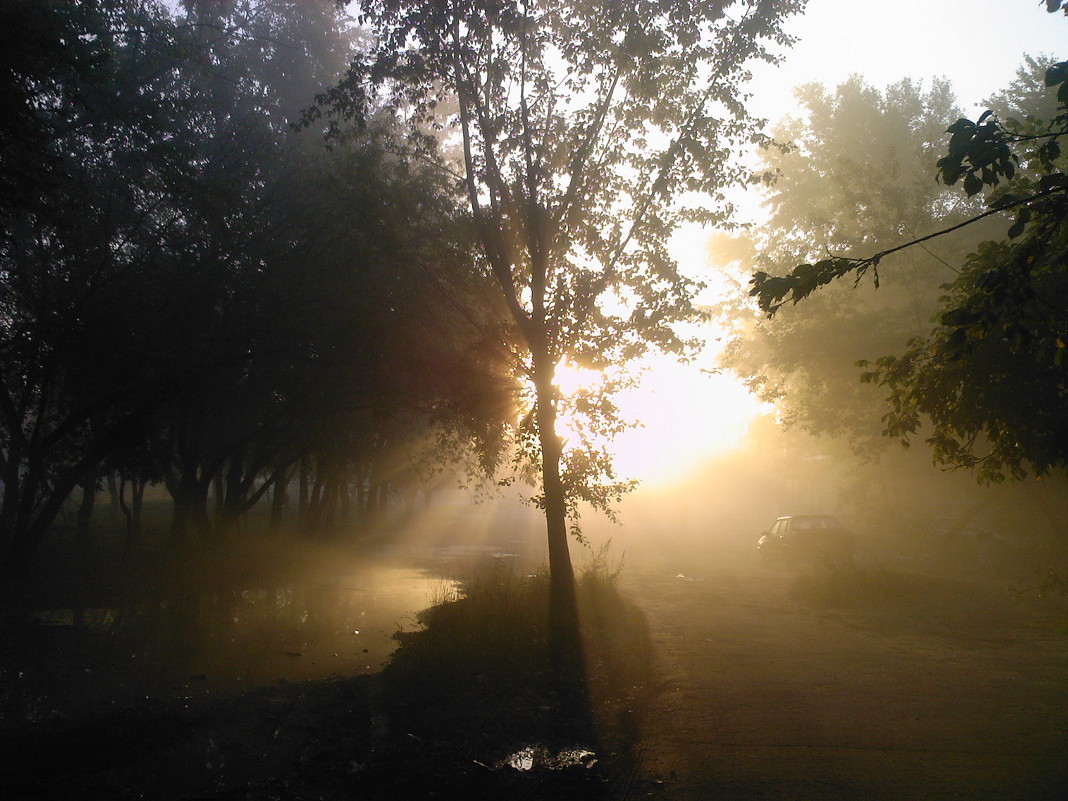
[(579, 400)]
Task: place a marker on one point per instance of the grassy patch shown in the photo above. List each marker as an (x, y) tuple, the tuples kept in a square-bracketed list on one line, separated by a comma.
[(471, 708)]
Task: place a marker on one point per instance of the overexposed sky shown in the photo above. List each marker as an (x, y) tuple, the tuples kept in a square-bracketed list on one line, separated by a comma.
[(976, 44)]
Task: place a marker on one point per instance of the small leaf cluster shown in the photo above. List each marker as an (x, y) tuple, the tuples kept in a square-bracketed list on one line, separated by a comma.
[(983, 154), (979, 153), (805, 279)]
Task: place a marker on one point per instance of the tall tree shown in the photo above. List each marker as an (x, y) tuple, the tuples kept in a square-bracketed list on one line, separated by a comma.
[(586, 131), (804, 359), (989, 379), (78, 252)]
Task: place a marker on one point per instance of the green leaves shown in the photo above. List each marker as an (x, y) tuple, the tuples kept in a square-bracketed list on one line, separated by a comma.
[(959, 318), (973, 185), (1023, 216), (1058, 74), (989, 380), (771, 292), (979, 152)]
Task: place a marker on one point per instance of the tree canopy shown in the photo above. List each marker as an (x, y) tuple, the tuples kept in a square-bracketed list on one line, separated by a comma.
[(193, 291), (584, 131), (804, 359), (986, 387)]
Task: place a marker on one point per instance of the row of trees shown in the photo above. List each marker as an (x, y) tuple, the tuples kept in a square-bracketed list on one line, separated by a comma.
[(195, 293), (191, 292), (857, 196)]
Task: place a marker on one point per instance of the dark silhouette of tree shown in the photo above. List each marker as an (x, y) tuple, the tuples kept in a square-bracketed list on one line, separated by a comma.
[(342, 274), (78, 374), (581, 132), (183, 299)]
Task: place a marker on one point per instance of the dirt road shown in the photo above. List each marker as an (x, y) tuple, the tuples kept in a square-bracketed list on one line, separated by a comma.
[(884, 685)]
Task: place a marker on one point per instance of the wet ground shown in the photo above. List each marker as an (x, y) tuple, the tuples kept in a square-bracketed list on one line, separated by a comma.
[(772, 684), (253, 683), (213, 626), (878, 685)]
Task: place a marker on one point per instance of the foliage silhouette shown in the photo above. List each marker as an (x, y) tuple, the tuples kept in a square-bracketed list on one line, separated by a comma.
[(183, 299)]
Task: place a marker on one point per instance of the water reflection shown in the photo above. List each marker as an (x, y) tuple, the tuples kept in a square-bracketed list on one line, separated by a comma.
[(539, 756), (218, 641)]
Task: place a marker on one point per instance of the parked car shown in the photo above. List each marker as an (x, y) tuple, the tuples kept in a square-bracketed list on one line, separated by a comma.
[(806, 539)]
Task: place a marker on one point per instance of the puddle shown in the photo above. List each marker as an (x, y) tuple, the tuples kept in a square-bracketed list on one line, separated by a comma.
[(538, 756), (212, 642)]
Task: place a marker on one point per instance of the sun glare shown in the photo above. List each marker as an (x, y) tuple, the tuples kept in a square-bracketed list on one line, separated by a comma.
[(685, 417), (569, 379)]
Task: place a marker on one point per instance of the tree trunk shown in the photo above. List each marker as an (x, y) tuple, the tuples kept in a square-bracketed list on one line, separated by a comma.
[(128, 513), (85, 510), (329, 505), (137, 502), (113, 494), (11, 500), (315, 505), (190, 509), (279, 497), (32, 501), (302, 497), (565, 644), (31, 523), (229, 495)]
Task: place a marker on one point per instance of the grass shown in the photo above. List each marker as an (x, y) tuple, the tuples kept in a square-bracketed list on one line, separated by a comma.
[(473, 709)]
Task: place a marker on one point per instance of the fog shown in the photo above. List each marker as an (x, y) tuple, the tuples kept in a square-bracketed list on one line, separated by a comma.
[(940, 631), (320, 347), (297, 609)]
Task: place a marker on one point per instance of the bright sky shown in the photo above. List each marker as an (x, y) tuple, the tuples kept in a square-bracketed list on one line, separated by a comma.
[(976, 44)]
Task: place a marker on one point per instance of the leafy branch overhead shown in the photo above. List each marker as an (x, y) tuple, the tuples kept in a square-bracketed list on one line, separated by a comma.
[(987, 385), (981, 155)]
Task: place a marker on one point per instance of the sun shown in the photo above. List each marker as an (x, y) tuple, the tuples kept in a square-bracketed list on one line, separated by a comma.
[(688, 416), (685, 417)]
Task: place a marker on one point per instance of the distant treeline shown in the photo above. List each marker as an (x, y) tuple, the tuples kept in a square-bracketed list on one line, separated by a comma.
[(197, 293)]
